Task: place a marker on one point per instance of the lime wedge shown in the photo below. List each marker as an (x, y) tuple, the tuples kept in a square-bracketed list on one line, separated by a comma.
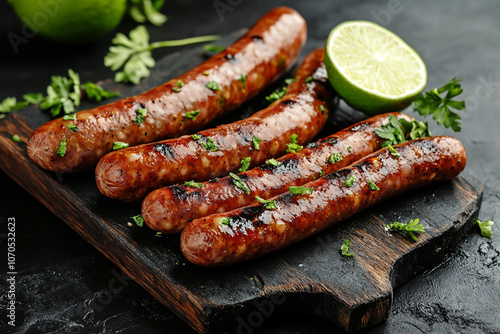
[(372, 69)]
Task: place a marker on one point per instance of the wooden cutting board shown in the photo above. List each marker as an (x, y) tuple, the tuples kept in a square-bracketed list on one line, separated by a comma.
[(310, 277)]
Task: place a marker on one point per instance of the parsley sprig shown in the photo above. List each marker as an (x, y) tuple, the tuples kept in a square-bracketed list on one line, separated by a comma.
[(485, 227), (431, 103), (397, 130), (410, 227), (133, 53), (147, 10)]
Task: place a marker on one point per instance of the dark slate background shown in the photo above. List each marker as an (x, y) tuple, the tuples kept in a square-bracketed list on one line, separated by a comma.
[(59, 274)]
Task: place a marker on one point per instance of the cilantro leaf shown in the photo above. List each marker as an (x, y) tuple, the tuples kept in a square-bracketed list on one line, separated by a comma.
[(397, 130), (10, 104), (133, 53), (410, 227), (431, 103), (485, 227), (62, 94), (147, 10)]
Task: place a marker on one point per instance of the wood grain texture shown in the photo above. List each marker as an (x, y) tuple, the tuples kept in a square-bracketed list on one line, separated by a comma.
[(310, 277)]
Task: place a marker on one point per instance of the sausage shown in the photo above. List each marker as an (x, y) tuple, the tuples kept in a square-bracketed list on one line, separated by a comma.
[(130, 174), (253, 231), (217, 86), (169, 209)]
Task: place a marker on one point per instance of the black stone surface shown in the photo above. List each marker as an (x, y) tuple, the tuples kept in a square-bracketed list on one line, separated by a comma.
[(61, 279)]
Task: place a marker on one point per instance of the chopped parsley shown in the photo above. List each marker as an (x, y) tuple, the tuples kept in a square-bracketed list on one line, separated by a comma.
[(289, 81), (212, 85), (208, 145), (269, 205), (300, 190), (96, 93), (293, 146), (349, 149), (373, 186), (213, 48), (140, 114), (118, 145), (256, 143), (276, 95), (72, 127), (273, 162), (158, 234), (192, 114), (245, 163), (139, 220), (61, 150), (335, 157), (207, 73), (180, 83), (393, 151), (308, 79), (346, 248), (410, 227), (176, 89), (225, 221), (397, 129), (351, 179), (243, 80), (239, 183), (193, 184), (321, 108), (16, 138), (485, 227), (70, 117), (321, 173)]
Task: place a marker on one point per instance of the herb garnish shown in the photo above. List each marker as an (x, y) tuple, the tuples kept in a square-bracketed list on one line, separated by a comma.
[(256, 143), (208, 145), (346, 248), (432, 103), (192, 114), (225, 220), (72, 127), (193, 184), (97, 93), (269, 205), (243, 80), (245, 163), (393, 151), (69, 117), (373, 186), (118, 145), (239, 183), (273, 162), (289, 81), (351, 179), (139, 220), (133, 53), (141, 113), (212, 85), (16, 138), (410, 227), (335, 157), (308, 79), (61, 150), (485, 227), (300, 190), (276, 95), (293, 146), (213, 48), (147, 10), (397, 129)]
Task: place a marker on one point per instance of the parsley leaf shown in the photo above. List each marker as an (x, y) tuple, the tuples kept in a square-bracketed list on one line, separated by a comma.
[(10, 104), (410, 227), (276, 95), (62, 94), (193, 184), (61, 150), (300, 190), (133, 53), (273, 162), (485, 227), (256, 143), (141, 113), (346, 248), (373, 186), (350, 181), (139, 220), (238, 182), (245, 163), (293, 146), (212, 85), (431, 103), (269, 205), (206, 142), (72, 127), (335, 157), (225, 220), (192, 114), (118, 145), (397, 130), (147, 10), (393, 151), (97, 93), (16, 138), (213, 48)]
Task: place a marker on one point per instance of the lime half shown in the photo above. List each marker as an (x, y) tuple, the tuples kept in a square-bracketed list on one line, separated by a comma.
[(372, 69)]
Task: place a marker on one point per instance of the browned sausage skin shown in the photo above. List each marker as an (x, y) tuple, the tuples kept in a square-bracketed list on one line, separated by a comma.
[(265, 52), (130, 174), (252, 231), (169, 209)]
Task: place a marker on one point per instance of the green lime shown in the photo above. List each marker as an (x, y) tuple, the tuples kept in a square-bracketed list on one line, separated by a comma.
[(70, 21), (372, 69)]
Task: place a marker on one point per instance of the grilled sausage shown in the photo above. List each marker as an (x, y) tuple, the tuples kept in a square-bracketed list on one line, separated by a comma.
[(130, 174), (253, 230), (169, 209), (217, 86)]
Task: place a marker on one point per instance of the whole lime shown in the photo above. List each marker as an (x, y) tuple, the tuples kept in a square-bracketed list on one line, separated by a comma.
[(70, 21)]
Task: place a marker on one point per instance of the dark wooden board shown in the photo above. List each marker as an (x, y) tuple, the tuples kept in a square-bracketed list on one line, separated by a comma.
[(307, 278)]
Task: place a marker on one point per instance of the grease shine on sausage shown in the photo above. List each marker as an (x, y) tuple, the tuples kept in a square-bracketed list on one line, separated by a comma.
[(253, 231), (169, 209), (130, 174), (264, 53)]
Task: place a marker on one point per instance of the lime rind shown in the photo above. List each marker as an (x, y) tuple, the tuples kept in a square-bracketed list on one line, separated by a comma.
[(372, 68)]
